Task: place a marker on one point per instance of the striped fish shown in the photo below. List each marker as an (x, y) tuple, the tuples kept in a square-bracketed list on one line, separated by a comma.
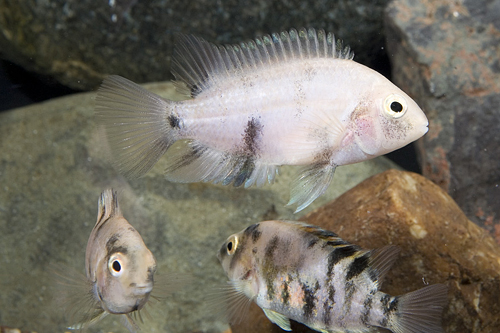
[(294, 98), (298, 271)]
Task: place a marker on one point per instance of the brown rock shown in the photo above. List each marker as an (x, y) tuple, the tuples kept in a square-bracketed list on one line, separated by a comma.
[(438, 245)]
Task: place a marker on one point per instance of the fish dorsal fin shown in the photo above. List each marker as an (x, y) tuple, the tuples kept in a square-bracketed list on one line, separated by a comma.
[(279, 319), (198, 63), (382, 259), (107, 206)]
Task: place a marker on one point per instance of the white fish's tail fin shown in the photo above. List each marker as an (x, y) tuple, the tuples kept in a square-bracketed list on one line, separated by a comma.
[(420, 311), (108, 205), (139, 125)]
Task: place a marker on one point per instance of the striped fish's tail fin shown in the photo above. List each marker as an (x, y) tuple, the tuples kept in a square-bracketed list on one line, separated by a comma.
[(140, 126), (420, 311)]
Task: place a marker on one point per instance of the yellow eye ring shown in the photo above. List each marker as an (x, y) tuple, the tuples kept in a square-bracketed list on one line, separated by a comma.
[(115, 265), (232, 245), (395, 106)]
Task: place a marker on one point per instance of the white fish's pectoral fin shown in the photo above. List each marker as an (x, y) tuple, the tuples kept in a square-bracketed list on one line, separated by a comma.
[(382, 259), (229, 302), (279, 319), (99, 315), (189, 161), (311, 183)]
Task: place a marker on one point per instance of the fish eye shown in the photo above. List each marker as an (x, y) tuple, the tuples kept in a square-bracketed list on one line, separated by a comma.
[(115, 265), (231, 245), (395, 106)]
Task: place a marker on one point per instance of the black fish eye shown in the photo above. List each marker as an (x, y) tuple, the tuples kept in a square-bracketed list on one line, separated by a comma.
[(396, 107), (116, 266), (229, 246)]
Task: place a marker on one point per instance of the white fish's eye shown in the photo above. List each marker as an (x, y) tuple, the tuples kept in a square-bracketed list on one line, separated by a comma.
[(115, 265), (395, 106), (231, 245)]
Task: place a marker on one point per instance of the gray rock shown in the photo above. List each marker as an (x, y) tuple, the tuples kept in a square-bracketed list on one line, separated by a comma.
[(52, 170), (78, 42), (447, 55)]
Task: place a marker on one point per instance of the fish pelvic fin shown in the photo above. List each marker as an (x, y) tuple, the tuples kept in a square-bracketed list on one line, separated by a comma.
[(310, 184), (282, 321), (420, 311), (139, 126)]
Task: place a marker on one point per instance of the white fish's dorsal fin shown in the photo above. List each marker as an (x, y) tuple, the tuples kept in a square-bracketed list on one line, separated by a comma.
[(282, 321), (198, 63), (382, 259), (107, 206)]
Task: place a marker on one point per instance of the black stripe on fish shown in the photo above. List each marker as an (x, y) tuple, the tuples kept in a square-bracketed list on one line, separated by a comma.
[(357, 266), (111, 248), (384, 300), (336, 243), (270, 286), (309, 299), (253, 231), (339, 253), (270, 248), (318, 232), (285, 293), (312, 242), (350, 288), (328, 305), (367, 307)]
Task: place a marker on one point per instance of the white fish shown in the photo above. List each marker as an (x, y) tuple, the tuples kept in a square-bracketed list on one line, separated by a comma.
[(119, 270), (294, 98), (297, 271)]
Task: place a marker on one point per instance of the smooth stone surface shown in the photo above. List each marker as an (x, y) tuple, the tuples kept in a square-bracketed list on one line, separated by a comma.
[(79, 42), (53, 168), (438, 245), (446, 54)]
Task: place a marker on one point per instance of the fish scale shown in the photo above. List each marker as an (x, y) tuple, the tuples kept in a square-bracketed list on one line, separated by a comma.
[(297, 271)]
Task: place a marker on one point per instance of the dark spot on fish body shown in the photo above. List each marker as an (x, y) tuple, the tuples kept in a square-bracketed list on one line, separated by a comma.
[(254, 232), (312, 242), (174, 121), (393, 305), (328, 304), (367, 307), (285, 293), (111, 242), (350, 288), (339, 253), (384, 300), (252, 132), (270, 248), (357, 266), (254, 250)]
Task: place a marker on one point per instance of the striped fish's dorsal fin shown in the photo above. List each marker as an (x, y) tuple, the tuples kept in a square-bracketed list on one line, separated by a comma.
[(107, 206), (381, 261), (198, 64)]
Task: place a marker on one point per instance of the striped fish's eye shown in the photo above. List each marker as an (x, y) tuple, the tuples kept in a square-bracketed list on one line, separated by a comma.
[(115, 265), (395, 106), (231, 245)]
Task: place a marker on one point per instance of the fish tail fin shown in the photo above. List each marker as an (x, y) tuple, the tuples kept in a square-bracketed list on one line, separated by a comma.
[(108, 205), (140, 126), (420, 311)]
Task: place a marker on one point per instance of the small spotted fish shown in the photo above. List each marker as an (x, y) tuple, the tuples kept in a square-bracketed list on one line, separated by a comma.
[(294, 98), (119, 270), (298, 271)]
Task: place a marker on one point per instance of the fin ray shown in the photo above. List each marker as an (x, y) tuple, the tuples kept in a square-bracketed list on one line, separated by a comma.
[(382, 259), (282, 321)]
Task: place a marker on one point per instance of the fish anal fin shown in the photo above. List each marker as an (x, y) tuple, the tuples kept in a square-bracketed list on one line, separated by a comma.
[(282, 321), (310, 184), (189, 162), (382, 259)]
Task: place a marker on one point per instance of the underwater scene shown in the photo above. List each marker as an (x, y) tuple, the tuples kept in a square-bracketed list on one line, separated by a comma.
[(261, 166)]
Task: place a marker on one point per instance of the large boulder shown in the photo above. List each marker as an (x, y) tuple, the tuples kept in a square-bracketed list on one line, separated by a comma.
[(79, 42), (446, 54), (438, 245), (53, 167)]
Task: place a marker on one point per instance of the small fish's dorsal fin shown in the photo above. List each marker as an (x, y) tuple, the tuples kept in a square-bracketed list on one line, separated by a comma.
[(382, 259), (107, 206), (198, 63), (279, 319)]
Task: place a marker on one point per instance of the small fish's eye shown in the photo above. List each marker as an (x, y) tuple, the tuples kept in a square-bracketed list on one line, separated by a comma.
[(231, 245), (395, 106), (115, 265)]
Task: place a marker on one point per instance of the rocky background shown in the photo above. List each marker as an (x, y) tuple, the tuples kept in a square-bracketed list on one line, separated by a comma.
[(445, 54)]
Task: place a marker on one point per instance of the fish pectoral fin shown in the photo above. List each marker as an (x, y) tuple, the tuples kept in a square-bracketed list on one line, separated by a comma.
[(91, 321), (310, 184), (278, 319), (189, 162)]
